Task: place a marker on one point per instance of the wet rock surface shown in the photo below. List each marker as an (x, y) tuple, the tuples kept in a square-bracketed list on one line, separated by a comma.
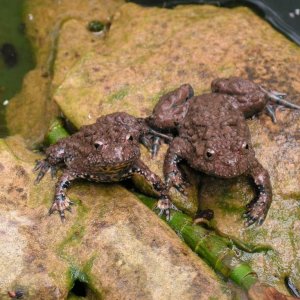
[(148, 52), (163, 49), (111, 241)]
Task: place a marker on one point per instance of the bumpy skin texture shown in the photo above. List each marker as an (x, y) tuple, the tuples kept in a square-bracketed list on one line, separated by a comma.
[(212, 136), (107, 151)]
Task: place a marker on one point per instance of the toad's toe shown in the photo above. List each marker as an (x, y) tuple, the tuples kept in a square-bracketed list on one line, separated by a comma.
[(256, 213), (61, 205), (164, 206)]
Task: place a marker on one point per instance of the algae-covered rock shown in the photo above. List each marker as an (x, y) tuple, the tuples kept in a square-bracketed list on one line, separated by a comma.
[(111, 242), (74, 41), (149, 51), (44, 19), (146, 52), (30, 111)]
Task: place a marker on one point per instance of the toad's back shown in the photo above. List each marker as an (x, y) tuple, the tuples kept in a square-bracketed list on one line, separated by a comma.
[(212, 115)]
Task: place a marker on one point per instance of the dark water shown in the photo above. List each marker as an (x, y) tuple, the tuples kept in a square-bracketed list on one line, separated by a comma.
[(16, 58)]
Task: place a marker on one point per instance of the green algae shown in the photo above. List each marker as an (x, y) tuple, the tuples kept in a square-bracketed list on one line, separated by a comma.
[(74, 237), (76, 232), (119, 94), (229, 198), (76, 273), (82, 275)]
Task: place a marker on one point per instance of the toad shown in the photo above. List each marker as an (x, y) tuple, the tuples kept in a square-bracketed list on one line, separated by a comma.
[(107, 151), (212, 136)]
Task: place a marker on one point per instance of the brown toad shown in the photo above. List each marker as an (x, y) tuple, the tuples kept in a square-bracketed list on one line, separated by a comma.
[(212, 135), (107, 151)]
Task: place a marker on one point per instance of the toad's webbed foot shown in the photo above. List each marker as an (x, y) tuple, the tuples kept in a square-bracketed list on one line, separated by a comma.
[(152, 143), (43, 166), (155, 146), (153, 139), (60, 204), (257, 211), (279, 100), (165, 205), (271, 112), (61, 201), (258, 208), (174, 179)]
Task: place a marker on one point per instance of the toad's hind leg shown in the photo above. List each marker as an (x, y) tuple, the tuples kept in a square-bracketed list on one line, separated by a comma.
[(167, 114), (250, 97), (170, 109), (243, 94), (61, 201), (258, 208), (278, 99), (164, 203)]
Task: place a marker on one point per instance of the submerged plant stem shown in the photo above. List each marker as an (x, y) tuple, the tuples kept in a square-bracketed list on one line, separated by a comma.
[(214, 249)]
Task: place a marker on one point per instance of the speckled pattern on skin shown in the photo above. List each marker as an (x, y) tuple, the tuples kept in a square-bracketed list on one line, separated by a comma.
[(212, 135), (107, 151)]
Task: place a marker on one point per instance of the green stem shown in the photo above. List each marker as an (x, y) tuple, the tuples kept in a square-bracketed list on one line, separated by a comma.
[(214, 249), (55, 132)]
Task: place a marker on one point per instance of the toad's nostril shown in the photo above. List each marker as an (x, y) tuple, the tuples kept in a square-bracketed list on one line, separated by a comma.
[(231, 161)]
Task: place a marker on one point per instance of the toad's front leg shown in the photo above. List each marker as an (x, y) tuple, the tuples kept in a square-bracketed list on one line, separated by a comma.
[(164, 203), (171, 109), (61, 201), (173, 174), (258, 208), (55, 156)]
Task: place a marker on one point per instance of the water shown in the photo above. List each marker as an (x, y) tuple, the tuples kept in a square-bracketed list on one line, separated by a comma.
[(12, 31)]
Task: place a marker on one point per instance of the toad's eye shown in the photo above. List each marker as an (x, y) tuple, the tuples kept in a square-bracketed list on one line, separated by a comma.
[(245, 146), (129, 137), (209, 154), (98, 145)]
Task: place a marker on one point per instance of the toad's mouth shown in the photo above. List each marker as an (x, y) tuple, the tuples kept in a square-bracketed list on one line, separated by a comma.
[(229, 172), (222, 169), (114, 167)]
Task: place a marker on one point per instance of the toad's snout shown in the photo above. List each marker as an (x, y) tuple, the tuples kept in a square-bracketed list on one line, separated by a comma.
[(230, 161)]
